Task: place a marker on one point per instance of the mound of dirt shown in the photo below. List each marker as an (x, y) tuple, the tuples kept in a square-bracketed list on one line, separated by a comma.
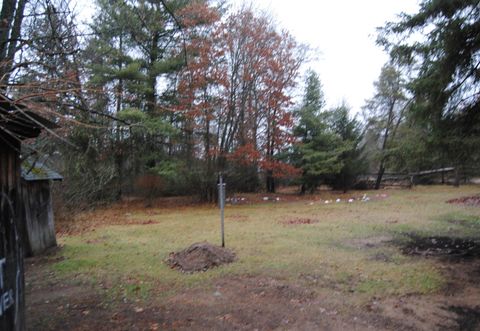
[(442, 246), (469, 201), (200, 257)]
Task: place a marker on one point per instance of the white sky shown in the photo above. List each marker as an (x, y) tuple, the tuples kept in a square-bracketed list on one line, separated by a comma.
[(344, 32)]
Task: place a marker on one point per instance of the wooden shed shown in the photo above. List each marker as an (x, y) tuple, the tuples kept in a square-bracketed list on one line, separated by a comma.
[(37, 206), (16, 124)]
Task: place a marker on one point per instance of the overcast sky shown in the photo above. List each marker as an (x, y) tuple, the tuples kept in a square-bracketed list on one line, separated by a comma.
[(344, 32)]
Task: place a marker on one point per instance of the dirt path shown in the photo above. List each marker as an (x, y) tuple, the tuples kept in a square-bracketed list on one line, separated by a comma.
[(456, 307), (253, 303)]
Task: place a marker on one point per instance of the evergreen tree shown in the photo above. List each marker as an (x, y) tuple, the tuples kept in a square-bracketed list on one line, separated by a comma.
[(352, 159), (133, 58), (385, 112), (313, 103), (445, 79), (324, 139)]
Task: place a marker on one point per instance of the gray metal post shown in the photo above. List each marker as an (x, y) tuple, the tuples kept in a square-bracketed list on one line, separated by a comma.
[(221, 202)]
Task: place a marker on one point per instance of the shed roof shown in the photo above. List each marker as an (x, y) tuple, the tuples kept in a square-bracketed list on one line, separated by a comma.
[(17, 121), (36, 171)]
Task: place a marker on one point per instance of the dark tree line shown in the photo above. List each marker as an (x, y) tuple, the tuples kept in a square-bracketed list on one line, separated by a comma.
[(159, 97)]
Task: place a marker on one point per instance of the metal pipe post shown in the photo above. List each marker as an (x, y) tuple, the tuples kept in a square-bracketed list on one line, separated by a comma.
[(221, 197)]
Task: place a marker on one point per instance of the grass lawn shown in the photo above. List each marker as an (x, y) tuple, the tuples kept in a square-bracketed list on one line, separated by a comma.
[(348, 256)]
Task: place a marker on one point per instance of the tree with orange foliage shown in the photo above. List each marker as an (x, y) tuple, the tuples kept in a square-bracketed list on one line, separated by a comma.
[(237, 85)]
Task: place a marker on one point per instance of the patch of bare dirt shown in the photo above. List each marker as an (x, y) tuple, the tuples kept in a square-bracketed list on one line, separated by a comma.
[(160, 202), (266, 303), (442, 246), (382, 257), (370, 242), (237, 218), (469, 201), (238, 303), (249, 303), (456, 307), (91, 221), (148, 222), (120, 213), (200, 257), (468, 319), (299, 221)]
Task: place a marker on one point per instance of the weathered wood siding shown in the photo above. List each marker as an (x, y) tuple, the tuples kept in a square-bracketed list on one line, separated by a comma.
[(38, 215), (12, 297), (9, 168)]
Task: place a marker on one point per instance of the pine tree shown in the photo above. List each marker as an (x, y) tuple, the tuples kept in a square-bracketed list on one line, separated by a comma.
[(385, 111), (444, 66), (320, 147), (354, 163)]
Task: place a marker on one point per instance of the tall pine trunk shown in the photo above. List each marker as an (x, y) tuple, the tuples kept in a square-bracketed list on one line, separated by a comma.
[(11, 18)]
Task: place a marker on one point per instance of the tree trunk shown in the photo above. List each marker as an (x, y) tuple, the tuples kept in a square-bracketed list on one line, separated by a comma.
[(16, 30), (119, 170), (11, 19), (303, 189), (119, 97), (270, 182), (456, 183), (344, 183), (6, 17), (150, 95), (381, 171)]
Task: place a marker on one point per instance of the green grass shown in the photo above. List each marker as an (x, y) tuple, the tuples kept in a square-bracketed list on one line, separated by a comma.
[(131, 257)]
